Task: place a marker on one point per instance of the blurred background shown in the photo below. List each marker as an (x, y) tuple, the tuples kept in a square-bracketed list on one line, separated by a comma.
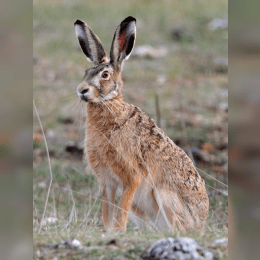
[(177, 74)]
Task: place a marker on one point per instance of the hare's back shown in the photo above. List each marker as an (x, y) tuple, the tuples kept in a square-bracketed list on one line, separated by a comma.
[(164, 159)]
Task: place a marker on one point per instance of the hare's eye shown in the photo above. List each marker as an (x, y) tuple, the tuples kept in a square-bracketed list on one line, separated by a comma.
[(105, 74)]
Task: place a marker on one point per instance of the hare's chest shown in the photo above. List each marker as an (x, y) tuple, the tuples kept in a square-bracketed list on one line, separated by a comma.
[(100, 143), (95, 141)]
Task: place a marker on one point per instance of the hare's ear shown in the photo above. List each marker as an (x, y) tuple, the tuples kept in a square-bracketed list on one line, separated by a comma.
[(123, 41), (90, 43)]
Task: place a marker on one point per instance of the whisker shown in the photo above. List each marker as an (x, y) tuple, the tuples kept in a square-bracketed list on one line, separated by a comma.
[(71, 112), (69, 104), (113, 114), (82, 116), (77, 111), (70, 94)]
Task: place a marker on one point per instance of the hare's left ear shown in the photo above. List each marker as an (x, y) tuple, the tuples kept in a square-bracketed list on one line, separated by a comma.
[(123, 41), (90, 43)]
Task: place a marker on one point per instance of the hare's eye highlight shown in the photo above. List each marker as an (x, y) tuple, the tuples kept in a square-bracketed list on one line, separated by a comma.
[(105, 74)]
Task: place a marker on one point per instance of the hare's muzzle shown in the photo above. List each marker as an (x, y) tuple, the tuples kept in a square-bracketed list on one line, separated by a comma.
[(83, 91)]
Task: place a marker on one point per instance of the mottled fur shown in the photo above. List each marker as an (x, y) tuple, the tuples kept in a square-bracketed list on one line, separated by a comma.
[(128, 152)]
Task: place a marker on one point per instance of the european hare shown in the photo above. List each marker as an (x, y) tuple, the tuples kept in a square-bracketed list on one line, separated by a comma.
[(127, 151)]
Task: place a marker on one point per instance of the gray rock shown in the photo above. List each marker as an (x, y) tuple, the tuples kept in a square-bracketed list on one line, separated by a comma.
[(177, 249), (218, 23)]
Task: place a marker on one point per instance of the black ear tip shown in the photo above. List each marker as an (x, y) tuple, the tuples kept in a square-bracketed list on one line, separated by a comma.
[(79, 22), (129, 19)]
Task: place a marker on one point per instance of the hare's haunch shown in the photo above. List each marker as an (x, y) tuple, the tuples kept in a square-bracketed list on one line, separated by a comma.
[(128, 152)]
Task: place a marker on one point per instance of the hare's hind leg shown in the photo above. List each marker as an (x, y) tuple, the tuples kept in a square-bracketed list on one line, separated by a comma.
[(162, 216), (138, 216)]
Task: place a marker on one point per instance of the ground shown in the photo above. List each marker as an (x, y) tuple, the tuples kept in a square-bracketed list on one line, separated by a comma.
[(190, 83)]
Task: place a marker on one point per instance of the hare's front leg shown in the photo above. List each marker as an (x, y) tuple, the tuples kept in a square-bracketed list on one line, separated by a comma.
[(126, 202), (108, 197), (108, 187)]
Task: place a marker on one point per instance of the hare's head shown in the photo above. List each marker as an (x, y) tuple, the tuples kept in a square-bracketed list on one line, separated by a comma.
[(103, 81)]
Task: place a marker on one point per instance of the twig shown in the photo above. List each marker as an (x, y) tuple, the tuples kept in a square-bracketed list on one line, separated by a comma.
[(49, 162), (225, 193), (157, 110), (212, 177), (184, 128)]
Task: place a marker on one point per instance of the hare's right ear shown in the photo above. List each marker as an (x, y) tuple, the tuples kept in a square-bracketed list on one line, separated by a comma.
[(123, 41), (90, 43)]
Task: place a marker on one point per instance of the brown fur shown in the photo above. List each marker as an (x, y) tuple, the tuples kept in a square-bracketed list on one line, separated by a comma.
[(124, 139), (128, 152)]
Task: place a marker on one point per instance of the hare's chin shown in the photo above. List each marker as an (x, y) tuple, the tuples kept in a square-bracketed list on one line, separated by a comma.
[(109, 96)]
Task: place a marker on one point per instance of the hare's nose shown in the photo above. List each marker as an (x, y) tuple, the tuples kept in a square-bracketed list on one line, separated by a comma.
[(84, 91)]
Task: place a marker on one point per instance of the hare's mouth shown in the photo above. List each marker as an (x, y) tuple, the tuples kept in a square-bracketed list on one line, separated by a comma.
[(83, 97)]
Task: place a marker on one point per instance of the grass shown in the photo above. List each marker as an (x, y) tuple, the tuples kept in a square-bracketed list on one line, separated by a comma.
[(192, 90)]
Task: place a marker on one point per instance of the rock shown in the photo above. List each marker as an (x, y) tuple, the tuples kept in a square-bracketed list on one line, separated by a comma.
[(223, 105), (177, 249), (75, 243), (72, 244), (219, 245), (50, 220), (42, 185), (147, 51), (50, 134), (221, 241), (218, 23), (69, 244)]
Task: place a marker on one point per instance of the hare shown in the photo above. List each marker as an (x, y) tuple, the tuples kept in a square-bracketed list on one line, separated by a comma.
[(128, 152)]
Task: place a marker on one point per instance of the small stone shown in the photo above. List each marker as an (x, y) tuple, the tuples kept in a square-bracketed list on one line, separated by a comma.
[(50, 220), (147, 51), (221, 241), (75, 243), (42, 185), (218, 23)]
